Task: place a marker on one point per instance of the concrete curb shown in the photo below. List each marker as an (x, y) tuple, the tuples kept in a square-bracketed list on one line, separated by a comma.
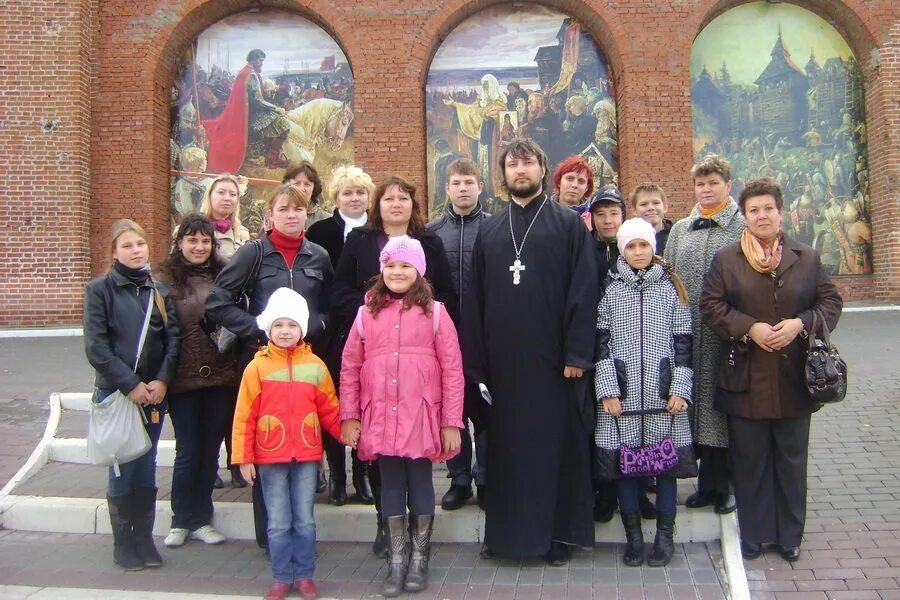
[(21, 592), (738, 589)]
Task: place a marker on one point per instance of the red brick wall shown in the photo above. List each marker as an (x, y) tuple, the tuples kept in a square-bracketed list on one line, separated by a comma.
[(389, 43)]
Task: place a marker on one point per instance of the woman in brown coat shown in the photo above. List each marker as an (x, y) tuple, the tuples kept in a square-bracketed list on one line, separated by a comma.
[(759, 296)]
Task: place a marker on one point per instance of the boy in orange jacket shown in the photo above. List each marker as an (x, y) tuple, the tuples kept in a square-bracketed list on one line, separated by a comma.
[(286, 396)]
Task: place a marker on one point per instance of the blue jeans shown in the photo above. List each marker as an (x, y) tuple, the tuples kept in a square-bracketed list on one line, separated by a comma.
[(289, 490), (140, 472), (200, 418), (629, 489)]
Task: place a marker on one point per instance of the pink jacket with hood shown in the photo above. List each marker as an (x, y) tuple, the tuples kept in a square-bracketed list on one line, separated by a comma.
[(404, 382)]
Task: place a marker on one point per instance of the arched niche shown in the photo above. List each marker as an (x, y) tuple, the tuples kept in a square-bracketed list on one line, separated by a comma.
[(518, 70), (232, 113), (778, 91)]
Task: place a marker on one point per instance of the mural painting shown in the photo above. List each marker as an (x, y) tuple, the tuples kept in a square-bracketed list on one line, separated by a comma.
[(255, 93), (513, 71), (778, 91)]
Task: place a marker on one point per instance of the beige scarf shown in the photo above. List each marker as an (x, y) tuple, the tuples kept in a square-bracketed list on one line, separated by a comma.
[(764, 258)]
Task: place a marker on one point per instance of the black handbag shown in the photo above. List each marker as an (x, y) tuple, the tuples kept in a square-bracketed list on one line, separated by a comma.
[(825, 371)]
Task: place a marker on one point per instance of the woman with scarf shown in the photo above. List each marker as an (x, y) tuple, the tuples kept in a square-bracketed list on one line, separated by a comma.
[(201, 401), (221, 203), (760, 296), (115, 309)]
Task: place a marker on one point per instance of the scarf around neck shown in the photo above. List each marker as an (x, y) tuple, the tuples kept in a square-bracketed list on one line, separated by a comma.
[(764, 258), (221, 225), (713, 210)]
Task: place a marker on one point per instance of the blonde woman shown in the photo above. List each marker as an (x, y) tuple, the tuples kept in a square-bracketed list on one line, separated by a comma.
[(115, 306), (221, 203)]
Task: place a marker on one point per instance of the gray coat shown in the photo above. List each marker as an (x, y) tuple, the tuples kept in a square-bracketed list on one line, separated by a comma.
[(644, 356), (692, 244)]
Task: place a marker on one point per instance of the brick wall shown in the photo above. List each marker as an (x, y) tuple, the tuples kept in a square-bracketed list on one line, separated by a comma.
[(113, 122)]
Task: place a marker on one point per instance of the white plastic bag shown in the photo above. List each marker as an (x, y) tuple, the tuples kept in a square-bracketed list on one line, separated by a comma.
[(116, 432)]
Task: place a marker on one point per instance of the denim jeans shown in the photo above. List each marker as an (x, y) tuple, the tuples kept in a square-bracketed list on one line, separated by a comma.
[(200, 419), (140, 472), (630, 488), (289, 490)]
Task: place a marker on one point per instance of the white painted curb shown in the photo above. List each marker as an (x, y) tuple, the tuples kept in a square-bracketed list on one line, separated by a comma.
[(738, 589)]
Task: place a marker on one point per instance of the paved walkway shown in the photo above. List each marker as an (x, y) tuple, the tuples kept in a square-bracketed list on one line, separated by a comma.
[(851, 550)]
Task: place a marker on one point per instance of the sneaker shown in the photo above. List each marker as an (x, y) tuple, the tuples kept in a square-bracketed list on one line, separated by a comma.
[(208, 535), (177, 537)]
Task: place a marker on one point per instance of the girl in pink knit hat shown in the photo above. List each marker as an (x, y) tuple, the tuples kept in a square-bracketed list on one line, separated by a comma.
[(401, 402)]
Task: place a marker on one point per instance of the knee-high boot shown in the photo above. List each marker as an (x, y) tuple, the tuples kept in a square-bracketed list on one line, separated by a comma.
[(144, 517), (398, 557), (420, 527), (361, 480), (664, 543), (337, 470), (634, 539), (121, 521)]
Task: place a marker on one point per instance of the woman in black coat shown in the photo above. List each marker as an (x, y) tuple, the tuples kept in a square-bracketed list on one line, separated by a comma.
[(350, 190), (115, 309), (395, 212)]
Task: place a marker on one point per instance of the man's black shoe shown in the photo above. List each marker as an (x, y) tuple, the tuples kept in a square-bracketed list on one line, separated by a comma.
[(486, 553), (700, 499), (559, 554), (725, 504), (790, 553), (456, 497), (750, 550)]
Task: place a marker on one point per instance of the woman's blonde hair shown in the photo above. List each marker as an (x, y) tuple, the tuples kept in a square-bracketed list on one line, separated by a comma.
[(123, 226), (349, 176), (295, 196), (206, 205)]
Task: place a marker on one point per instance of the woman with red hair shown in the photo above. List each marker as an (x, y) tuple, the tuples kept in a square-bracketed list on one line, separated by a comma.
[(573, 184)]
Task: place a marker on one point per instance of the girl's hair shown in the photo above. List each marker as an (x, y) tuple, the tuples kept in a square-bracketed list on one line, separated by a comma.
[(173, 267), (676, 280), (295, 196), (416, 224), (124, 225), (419, 294), (206, 205)]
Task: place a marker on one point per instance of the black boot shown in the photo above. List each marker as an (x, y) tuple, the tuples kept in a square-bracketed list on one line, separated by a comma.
[(420, 535), (663, 544), (120, 520), (398, 557), (361, 482), (648, 511), (237, 479), (379, 546), (144, 517), (634, 539), (605, 501), (337, 471)]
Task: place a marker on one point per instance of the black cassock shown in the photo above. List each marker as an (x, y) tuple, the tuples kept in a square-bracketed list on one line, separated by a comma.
[(518, 340)]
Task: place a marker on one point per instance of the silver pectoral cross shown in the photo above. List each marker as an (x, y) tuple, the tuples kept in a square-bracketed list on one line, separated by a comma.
[(515, 269)]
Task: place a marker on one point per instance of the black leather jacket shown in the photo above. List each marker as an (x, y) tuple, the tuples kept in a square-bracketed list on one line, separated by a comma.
[(114, 311), (310, 276), (458, 235)]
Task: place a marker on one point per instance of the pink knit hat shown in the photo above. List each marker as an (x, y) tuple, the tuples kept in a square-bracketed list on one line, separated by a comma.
[(406, 249)]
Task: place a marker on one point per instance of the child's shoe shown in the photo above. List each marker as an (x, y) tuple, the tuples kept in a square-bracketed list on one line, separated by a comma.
[(664, 545), (307, 588), (420, 528), (398, 556), (277, 591)]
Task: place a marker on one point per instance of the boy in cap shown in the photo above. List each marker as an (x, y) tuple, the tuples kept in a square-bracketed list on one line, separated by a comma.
[(286, 395)]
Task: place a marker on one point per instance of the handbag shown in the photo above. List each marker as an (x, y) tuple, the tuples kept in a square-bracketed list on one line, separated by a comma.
[(116, 432), (648, 460), (825, 372)]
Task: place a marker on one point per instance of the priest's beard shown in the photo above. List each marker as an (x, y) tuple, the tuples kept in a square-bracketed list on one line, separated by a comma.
[(525, 190)]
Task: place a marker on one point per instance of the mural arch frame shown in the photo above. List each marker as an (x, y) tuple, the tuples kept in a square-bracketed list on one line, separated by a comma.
[(607, 34), (854, 22), (171, 40)]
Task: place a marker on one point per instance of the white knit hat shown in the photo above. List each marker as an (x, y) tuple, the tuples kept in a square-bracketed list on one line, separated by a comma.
[(284, 303), (635, 228)]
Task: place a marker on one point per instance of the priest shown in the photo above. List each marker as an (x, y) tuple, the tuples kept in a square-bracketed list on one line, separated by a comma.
[(531, 318)]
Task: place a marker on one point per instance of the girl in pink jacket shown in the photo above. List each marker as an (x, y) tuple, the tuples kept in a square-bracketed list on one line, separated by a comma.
[(401, 402)]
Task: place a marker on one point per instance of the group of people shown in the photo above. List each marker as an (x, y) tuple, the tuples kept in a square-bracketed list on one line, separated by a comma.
[(555, 327)]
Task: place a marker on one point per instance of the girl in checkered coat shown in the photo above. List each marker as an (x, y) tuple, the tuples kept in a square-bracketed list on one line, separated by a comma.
[(644, 366)]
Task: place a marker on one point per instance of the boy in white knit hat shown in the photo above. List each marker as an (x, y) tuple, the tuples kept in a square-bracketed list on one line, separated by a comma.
[(286, 396)]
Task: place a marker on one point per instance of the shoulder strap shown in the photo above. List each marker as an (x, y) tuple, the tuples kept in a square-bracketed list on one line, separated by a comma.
[(144, 329), (246, 288), (359, 324)]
